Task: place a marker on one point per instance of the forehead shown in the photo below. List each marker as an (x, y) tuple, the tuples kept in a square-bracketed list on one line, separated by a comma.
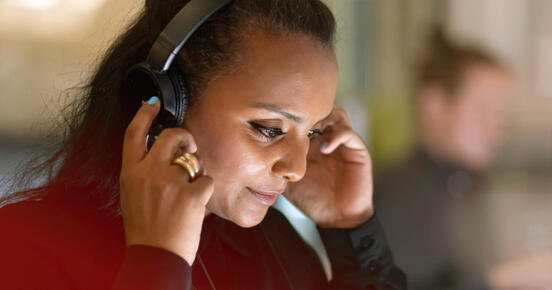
[(487, 80), (294, 72)]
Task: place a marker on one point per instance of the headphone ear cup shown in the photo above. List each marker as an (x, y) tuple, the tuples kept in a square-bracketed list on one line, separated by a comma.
[(140, 83), (180, 92)]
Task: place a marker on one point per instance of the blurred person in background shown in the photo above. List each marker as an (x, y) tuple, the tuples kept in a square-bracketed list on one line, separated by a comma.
[(460, 96)]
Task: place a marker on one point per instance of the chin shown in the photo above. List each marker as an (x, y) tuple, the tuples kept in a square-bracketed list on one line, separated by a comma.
[(241, 209), (248, 219)]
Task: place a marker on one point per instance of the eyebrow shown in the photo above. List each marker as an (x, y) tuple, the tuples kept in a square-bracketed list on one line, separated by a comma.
[(279, 110), (285, 113)]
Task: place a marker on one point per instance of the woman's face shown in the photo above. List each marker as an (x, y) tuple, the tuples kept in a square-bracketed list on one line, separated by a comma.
[(252, 127)]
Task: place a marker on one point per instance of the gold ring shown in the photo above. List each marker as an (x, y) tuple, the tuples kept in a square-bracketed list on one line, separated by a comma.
[(191, 163)]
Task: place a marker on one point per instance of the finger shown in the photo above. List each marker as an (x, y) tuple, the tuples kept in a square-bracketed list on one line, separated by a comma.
[(339, 117), (346, 137), (170, 142), (203, 186), (134, 143)]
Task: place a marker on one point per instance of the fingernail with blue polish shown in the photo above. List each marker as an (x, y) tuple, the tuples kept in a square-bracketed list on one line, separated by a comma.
[(324, 145), (153, 100)]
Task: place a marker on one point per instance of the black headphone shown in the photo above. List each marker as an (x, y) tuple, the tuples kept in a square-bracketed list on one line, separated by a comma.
[(156, 77)]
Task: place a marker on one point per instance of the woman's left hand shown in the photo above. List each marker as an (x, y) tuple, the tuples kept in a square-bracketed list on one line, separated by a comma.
[(336, 190)]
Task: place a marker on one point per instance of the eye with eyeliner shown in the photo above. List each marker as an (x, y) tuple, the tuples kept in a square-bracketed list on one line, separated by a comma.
[(270, 133), (314, 132)]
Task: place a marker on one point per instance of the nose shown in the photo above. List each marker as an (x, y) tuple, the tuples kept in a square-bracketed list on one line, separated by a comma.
[(291, 162)]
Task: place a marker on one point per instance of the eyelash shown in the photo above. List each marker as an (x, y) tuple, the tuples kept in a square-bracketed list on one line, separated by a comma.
[(270, 133)]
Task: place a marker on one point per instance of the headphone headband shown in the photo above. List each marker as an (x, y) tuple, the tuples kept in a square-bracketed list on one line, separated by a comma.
[(180, 28), (156, 77)]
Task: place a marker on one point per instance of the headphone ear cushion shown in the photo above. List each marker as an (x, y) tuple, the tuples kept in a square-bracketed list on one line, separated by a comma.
[(181, 92)]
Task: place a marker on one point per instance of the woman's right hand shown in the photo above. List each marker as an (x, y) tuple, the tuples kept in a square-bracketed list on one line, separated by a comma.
[(160, 206)]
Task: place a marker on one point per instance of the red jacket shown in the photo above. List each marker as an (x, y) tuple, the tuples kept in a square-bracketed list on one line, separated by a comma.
[(68, 243)]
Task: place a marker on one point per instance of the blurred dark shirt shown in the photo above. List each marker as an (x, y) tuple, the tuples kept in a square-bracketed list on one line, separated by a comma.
[(419, 202)]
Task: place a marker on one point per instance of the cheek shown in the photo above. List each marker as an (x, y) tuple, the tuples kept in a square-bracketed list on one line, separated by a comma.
[(229, 157)]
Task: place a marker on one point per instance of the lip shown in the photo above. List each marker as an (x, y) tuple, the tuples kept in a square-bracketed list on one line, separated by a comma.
[(265, 197)]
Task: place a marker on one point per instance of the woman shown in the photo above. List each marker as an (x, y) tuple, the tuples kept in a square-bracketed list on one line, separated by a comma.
[(261, 77)]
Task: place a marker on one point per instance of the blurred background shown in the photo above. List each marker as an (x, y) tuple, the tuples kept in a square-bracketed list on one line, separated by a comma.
[(49, 47)]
